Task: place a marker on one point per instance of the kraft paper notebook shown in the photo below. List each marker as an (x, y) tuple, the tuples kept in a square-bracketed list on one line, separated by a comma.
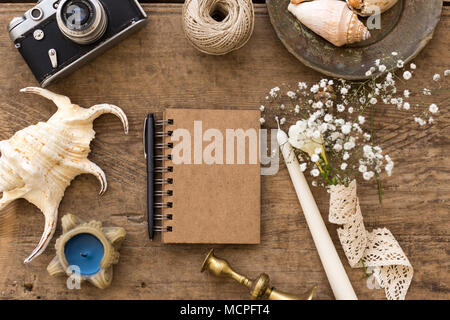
[(212, 164)]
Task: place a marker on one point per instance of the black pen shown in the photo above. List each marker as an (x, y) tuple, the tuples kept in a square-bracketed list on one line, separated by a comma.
[(149, 145)]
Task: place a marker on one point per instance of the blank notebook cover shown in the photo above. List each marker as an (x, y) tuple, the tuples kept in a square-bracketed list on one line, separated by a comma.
[(213, 202)]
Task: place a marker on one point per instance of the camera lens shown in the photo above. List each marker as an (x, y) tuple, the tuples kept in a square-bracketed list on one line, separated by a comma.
[(82, 21)]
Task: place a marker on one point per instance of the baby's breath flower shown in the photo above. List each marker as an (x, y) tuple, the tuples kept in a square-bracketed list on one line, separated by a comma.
[(297, 109), (406, 93), (368, 73), (346, 128), (420, 121), (346, 156), (406, 106), (426, 92), (447, 73), (350, 110), (344, 166), (302, 85), (377, 62), (282, 106), (315, 172), (400, 63), (262, 120), (407, 75), (344, 91), (315, 158), (437, 77), (433, 108), (282, 120), (303, 167), (361, 119), (291, 94), (340, 107), (373, 100), (262, 108), (362, 168), (337, 147), (315, 88), (395, 53), (413, 66), (382, 68), (368, 175)]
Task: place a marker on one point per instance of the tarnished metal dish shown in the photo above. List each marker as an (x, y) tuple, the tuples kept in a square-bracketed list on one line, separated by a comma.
[(405, 28)]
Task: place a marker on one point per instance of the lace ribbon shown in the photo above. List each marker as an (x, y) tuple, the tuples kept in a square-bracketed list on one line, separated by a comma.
[(378, 249)]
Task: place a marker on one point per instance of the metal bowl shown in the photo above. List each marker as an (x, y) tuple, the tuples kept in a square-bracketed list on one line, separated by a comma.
[(405, 28)]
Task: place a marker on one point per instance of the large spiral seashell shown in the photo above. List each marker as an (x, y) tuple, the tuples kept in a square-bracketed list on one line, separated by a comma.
[(367, 8), (39, 162), (332, 20)]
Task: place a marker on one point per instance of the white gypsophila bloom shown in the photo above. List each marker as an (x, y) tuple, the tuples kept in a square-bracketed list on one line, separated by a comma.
[(315, 88), (382, 68), (447, 73), (368, 175), (262, 120), (340, 107), (318, 151), (329, 103), (426, 92), (406, 93), (282, 106), (291, 94), (373, 100), (366, 136), (297, 109), (361, 120), (437, 77), (362, 168), (430, 120), (346, 128), (400, 63), (433, 108), (346, 156), (407, 75), (349, 145), (328, 117), (303, 167), (343, 166), (262, 108), (377, 62), (314, 183), (282, 120), (274, 92), (350, 110), (368, 73), (337, 147), (335, 135), (413, 66), (330, 82), (344, 91), (406, 106), (362, 100), (315, 172), (315, 158), (395, 53), (302, 85), (420, 121)]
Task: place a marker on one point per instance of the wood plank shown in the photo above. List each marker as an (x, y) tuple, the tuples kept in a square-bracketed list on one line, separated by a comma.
[(157, 68)]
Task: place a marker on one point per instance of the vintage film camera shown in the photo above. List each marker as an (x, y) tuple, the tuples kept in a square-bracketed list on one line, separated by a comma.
[(57, 37)]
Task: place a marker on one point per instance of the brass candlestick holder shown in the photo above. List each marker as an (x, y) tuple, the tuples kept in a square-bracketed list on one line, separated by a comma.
[(259, 288)]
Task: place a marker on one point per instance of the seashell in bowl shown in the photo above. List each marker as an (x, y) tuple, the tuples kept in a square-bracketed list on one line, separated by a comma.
[(332, 20)]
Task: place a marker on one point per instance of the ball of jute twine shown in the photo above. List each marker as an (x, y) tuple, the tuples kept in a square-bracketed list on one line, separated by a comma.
[(218, 26)]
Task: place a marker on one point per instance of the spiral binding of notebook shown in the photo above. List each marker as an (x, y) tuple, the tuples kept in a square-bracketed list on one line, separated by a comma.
[(155, 145)]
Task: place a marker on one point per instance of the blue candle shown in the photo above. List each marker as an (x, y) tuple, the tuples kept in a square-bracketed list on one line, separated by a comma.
[(85, 251)]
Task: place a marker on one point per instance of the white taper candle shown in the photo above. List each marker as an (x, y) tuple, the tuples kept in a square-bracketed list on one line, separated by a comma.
[(338, 279)]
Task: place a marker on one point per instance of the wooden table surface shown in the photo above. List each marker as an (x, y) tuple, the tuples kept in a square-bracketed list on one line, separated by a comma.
[(156, 69)]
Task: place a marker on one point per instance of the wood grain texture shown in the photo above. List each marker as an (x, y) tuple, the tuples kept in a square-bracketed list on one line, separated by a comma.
[(157, 68)]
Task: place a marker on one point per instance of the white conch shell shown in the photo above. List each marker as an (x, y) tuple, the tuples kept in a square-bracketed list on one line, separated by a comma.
[(367, 8), (332, 20), (39, 162)]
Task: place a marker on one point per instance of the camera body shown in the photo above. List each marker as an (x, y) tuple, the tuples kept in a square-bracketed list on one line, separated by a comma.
[(57, 37)]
